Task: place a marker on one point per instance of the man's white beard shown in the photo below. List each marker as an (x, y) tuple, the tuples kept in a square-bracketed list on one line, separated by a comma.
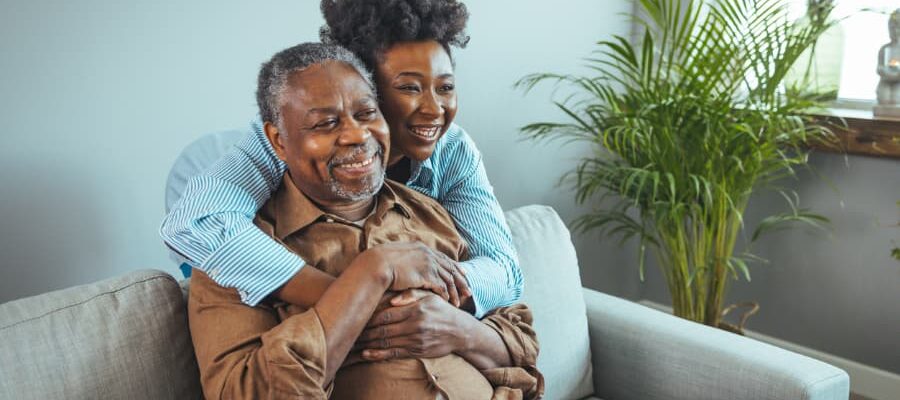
[(369, 188)]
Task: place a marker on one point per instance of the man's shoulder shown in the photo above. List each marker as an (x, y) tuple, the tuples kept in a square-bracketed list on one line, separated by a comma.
[(410, 197), (418, 204)]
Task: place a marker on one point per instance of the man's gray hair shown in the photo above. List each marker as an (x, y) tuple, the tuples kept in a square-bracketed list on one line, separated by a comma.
[(273, 76)]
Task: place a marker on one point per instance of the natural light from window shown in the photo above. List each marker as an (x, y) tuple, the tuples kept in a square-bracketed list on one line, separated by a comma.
[(861, 34)]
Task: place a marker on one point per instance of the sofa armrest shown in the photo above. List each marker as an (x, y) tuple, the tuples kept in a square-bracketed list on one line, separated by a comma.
[(641, 353)]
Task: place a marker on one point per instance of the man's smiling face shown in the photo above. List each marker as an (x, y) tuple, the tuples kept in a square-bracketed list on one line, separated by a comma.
[(332, 135)]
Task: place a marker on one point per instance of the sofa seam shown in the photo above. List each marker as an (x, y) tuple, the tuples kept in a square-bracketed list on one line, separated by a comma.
[(86, 300)]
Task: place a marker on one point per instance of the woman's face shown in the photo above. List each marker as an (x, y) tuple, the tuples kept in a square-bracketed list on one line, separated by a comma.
[(418, 96)]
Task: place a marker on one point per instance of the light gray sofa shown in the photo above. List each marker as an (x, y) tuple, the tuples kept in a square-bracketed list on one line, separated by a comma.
[(127, 338)]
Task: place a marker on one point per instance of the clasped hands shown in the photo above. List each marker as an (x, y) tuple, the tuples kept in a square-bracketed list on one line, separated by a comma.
[(419, 323)]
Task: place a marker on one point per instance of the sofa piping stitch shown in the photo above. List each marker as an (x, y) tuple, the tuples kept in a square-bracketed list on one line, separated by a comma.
[(87, 300), (807, 386)]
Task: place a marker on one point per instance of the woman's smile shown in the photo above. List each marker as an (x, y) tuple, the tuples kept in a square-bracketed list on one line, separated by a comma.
[(426, 132)]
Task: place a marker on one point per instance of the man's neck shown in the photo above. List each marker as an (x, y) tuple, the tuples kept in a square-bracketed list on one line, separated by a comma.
[(353, 211)]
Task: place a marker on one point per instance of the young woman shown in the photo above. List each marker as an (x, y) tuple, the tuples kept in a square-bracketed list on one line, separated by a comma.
[(407, 45)]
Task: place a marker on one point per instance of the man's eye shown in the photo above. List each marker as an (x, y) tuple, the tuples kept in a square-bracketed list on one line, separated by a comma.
[(326, 124), (367, 115)]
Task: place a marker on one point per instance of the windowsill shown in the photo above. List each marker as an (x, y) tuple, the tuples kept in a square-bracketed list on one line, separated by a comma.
[(858, 131)]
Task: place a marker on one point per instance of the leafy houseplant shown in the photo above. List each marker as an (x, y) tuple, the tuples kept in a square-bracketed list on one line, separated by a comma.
[(684, 126)]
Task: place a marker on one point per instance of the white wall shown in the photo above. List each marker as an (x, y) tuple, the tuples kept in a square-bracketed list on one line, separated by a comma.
[(99, 97), (836, 291)]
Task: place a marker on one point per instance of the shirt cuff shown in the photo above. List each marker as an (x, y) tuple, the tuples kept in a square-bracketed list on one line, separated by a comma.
[(488, 282), (297, 354), (252, 263)]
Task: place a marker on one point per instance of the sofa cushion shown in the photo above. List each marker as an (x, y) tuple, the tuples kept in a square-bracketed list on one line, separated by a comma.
[(122, 338), (553, 291)]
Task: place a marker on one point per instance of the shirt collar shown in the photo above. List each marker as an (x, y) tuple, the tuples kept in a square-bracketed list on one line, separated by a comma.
[(293, 210), (417, 168)]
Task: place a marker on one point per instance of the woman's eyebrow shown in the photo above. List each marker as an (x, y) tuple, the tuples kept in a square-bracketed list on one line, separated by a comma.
[(409, 73), (420, 75)]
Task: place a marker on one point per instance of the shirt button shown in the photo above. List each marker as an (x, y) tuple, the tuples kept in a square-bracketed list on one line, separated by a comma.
[(434, 376), (329, 219), (243, 294)]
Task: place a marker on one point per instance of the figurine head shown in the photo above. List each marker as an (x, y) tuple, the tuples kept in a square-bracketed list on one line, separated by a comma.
[(894, 25)]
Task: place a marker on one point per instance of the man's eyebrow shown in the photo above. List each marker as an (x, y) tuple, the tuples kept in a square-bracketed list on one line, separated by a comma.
[(367, 99), (321, 110)]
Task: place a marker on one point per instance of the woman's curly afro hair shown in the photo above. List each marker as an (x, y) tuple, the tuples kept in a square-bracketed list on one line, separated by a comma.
[(368, 27)]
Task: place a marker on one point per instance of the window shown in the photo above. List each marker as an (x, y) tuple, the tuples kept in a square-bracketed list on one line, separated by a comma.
[(855, 43)]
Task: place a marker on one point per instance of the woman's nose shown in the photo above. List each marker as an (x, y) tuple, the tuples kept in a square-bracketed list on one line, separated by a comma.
[(431, 104)]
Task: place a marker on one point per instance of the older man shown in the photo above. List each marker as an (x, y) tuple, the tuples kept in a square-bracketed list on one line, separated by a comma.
[(336, 210)]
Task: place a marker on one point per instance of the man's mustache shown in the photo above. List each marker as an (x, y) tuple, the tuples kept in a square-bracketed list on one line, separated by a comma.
[(357, 154)]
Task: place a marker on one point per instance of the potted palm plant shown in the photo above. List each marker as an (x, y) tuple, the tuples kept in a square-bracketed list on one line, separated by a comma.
[(684, 126)]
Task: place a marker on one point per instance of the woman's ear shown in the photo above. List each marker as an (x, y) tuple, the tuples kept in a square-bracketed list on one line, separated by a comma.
[(276, 139)]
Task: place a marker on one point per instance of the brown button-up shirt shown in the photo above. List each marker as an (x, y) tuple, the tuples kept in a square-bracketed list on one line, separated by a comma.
[(277, 350)]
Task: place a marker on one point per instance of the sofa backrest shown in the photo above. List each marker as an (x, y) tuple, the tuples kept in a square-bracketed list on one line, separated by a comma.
[(122, 338), (128, 337), (553, 292)]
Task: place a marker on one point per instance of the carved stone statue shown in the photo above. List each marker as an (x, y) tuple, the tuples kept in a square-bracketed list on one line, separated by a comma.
[(889, 70)]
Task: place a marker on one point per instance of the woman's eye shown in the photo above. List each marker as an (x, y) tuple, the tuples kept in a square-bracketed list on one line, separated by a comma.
[(408, 88), (447, 88)]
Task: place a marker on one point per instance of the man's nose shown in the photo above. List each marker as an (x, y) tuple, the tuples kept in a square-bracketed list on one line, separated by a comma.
[(355, 133)]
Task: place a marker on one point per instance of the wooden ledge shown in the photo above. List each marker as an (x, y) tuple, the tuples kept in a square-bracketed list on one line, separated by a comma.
[(859, 132)]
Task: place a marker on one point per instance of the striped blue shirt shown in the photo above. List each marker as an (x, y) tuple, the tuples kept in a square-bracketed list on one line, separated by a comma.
[(212, 223)]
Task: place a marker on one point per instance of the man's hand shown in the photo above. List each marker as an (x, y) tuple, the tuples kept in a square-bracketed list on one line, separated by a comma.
[(415, 266), (422, 326)]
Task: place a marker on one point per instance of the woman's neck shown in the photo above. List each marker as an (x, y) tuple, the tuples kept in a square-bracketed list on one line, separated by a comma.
[(400, 170)]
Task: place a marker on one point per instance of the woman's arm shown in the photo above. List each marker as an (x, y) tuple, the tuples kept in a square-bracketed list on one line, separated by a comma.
[(212, 223), (493, 269)]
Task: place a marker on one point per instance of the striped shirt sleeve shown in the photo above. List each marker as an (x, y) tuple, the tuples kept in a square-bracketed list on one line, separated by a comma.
[(493, 271), (212, 223)]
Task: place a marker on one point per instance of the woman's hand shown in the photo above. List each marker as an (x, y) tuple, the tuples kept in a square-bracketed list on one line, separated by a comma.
[(415, 266), (422, 326)]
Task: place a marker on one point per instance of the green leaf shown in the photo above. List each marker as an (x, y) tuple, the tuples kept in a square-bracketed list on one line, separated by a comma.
[(781, 221)]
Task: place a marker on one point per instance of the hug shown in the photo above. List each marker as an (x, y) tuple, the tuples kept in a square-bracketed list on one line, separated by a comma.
[(379, 264)]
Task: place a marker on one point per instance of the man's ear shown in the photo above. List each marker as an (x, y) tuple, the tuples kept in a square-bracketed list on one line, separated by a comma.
[(276, 139)]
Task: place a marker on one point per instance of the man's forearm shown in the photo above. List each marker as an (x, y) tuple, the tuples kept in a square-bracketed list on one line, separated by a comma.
[(346, 306), (306, 287)]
